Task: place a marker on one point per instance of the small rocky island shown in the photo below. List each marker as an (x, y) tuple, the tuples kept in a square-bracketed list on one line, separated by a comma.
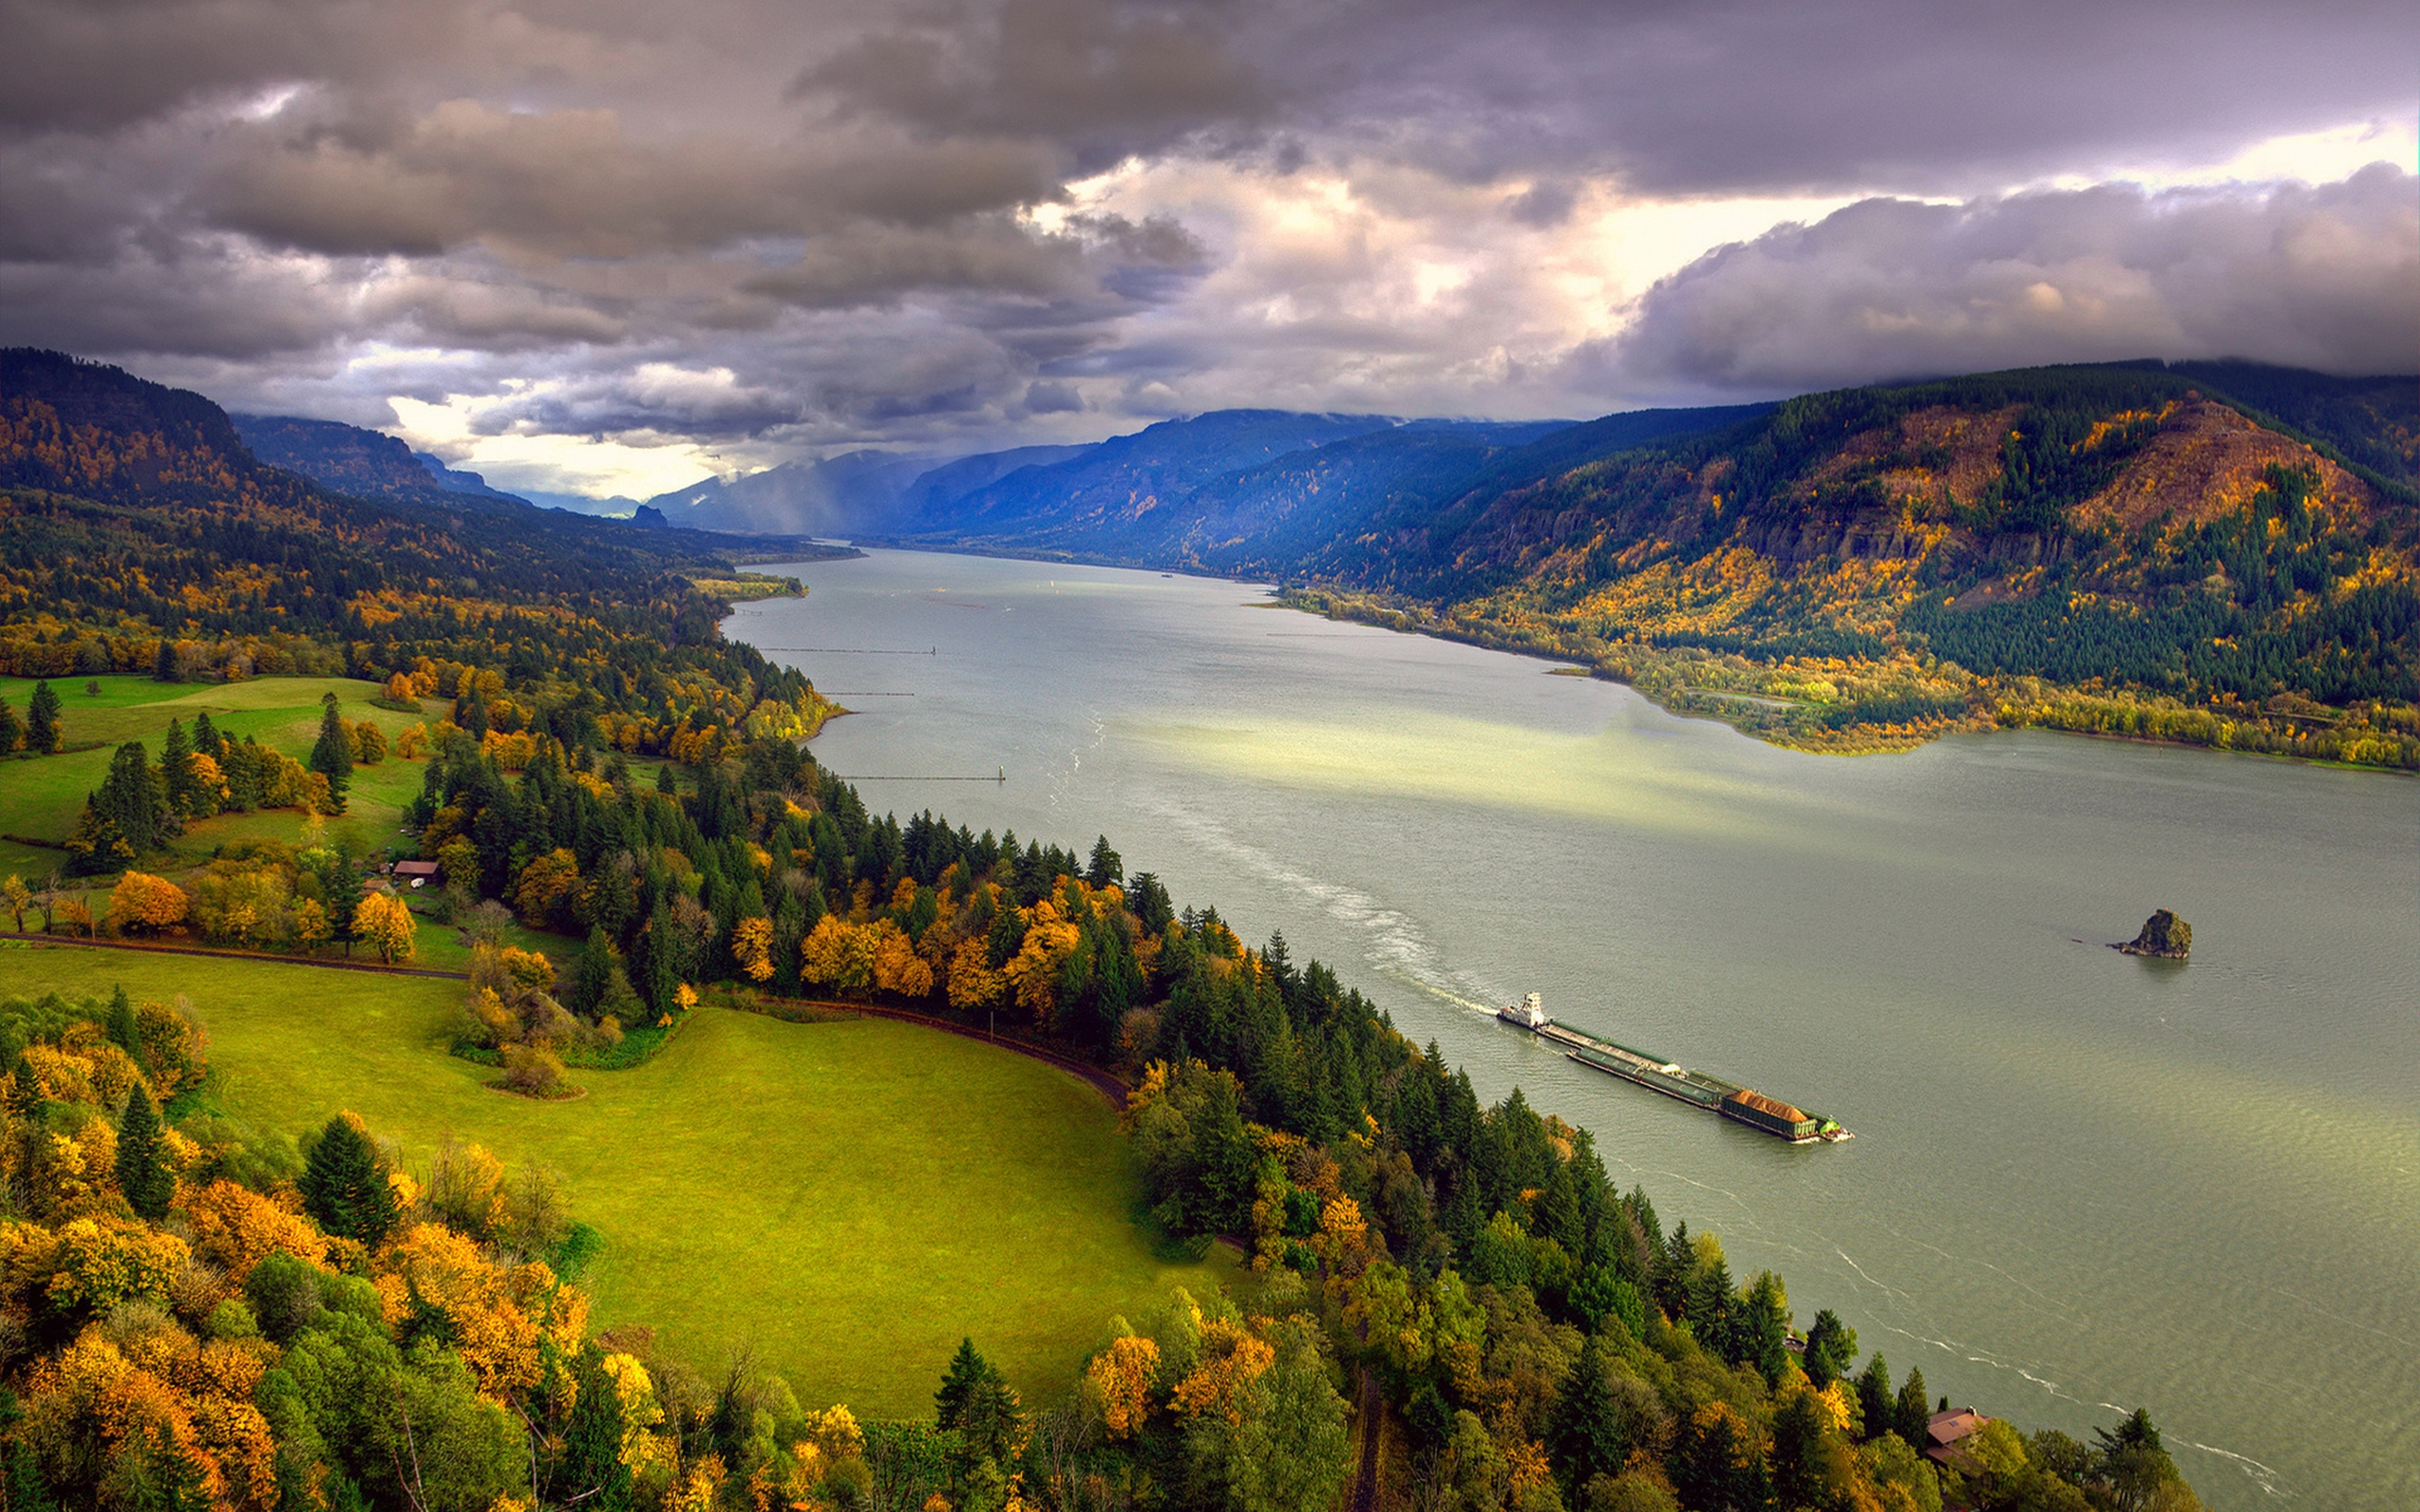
[(2165, 937)]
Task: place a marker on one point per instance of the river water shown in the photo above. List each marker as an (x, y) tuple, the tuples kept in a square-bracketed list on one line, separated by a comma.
[(2081, 1181)]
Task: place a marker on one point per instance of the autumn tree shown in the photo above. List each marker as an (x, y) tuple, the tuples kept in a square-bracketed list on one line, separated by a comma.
[(147, 904), (144, 1176), (16, 898), (42, 720), (385, 921), (12, 729), (368, 744), (345, 1187)]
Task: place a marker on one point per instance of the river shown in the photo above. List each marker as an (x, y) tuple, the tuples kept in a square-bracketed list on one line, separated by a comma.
[(2081, 1181)]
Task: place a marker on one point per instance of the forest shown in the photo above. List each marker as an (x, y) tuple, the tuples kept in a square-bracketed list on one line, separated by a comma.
[(1449, 1305)]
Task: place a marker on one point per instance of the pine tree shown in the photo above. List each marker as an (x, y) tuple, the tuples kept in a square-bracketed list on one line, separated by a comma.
[(593, 979), (344, 1188), (1913, 1413), (1584, 1435), (1106, 868), (163, 665), (206, 739), (126, 817), (177, 778), (42, 720), (332, 754), (976, 1400), (144, 1176), (1873, 1396), (125, 1030)]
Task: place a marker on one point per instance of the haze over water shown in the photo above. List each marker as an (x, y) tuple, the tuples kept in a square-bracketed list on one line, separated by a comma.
[(2081, 1183)]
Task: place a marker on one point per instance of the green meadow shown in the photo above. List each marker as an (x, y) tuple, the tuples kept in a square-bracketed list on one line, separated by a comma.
[(42, 795), (846, 1200)]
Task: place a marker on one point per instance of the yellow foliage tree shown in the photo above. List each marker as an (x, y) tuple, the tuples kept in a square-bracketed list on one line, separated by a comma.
[(838, 954), (387, 925), (751, 946), (234, 1227), (546, 885), (147, 904), (897, 968), (1231, 1359), (1123, 1375), (973, 982)]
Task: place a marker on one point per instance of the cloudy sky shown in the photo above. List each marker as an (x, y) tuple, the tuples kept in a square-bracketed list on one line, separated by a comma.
[(612, 245)]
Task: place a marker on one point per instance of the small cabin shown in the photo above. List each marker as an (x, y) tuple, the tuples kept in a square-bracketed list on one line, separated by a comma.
[(1945, 1434), (413, 873), (1769, 1113)]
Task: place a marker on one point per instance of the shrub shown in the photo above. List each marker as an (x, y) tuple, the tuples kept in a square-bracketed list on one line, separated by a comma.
[(534, 1072)]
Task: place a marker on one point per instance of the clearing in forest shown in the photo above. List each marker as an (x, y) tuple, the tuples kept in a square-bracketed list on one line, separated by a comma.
[(846, 1199)]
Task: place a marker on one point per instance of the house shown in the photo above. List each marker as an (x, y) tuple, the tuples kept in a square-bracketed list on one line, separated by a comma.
[(1945, 1431), (415, 873)]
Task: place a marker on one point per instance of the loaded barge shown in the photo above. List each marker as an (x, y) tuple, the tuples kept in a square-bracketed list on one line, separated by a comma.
[(1695, 1087)]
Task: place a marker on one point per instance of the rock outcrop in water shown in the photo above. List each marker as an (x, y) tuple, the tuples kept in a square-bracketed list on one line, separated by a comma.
[(2164, 936)]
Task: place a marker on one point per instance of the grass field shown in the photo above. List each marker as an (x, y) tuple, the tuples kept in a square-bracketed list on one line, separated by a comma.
[(847, 1199), (42, 795)]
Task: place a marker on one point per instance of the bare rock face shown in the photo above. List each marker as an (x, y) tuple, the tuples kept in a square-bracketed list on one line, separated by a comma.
[(2164, 936)]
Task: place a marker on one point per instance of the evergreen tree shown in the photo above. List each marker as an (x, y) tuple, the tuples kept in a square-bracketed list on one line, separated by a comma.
[(332, 753), (125, 1030), (1873, 1396), (12, 729), (28, 1491), (206, 739), (163, 665), (42, 720), (180, 780), (1584, 1436), (1912, 1414), (593, 978), (1763, 1328), (589, 1472), (1105, 868), (341, 890), (975, 1399), (1831, 1345), (144, 1176), (343, 1186), (659, 961), (127, 815)]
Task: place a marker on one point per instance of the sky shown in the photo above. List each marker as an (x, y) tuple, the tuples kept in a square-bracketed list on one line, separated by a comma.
[(613, 247)]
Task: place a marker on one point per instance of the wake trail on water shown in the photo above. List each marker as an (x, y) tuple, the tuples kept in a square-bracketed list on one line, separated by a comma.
[(1392, 944)]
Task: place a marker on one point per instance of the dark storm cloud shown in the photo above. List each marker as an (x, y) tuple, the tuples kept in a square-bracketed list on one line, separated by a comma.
[(827, 206), (2325, 278), (1696, 96)]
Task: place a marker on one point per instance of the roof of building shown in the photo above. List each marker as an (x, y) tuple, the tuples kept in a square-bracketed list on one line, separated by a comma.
[(1763, 1104), (415, 869), (1945, 1431)]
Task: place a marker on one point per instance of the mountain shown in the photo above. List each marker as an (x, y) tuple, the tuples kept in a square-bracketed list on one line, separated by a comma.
[(2126, 548), (367, 464), (133, 515), (456, 482)]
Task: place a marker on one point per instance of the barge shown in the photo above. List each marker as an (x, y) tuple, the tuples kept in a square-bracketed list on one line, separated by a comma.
[(1739, 1104)]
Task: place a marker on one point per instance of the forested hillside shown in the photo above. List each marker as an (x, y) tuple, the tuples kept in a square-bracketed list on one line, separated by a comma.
[(2126, 550), (139, 534)]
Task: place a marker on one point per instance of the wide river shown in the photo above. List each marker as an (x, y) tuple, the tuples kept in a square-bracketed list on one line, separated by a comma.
[(2081, 1181)]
